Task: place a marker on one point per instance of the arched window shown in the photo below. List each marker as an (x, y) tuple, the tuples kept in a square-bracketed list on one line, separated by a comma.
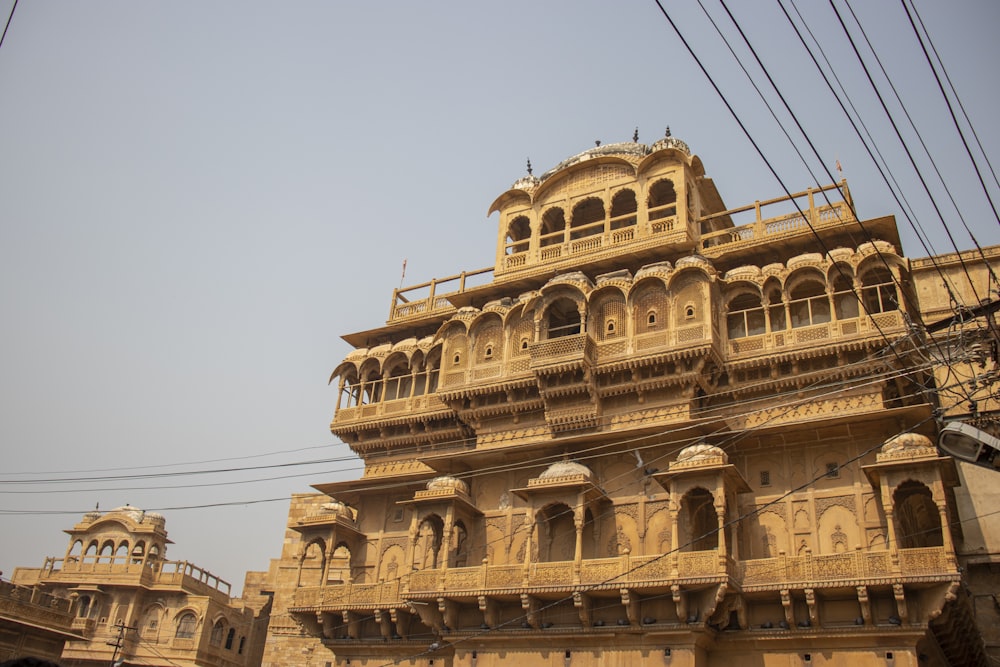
[(432, 366), (459, 547), (518, 234), (553, 227), (83, 610), (313, 564), (429, 536), (243, 641), (844, 301), (398, 380), (138, 551), (218, 630), (662, 200), (563, 319), (775, 310), (186, 626), (230, 636), (918, 523), (588, 218), (746, 316), (91, 549), (340, 565), (556, 533), (878, 291), (623, 209), (809, 304), (699, 522)]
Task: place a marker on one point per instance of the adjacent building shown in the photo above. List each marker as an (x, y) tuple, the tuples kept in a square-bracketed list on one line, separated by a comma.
[(125, 601), (659, 431)]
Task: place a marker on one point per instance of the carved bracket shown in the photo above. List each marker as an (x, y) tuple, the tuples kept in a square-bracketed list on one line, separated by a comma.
[(866, 609), (530, 606), (900, 594), (490, 610), (584, 607), (631, 604)]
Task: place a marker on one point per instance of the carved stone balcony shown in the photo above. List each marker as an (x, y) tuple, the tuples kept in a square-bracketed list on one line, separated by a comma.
[(562, 354), (858, 568), (692, 570), (30, 605), (153, 574), (846, 331), (564, 577)]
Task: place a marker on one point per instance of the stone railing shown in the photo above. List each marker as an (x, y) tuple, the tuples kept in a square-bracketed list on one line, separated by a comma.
[(766, 230), (576, 348), (407, 406), (602, 238), (30, 605), (809, 571), (433, 296), (875, 326), (856, 566)]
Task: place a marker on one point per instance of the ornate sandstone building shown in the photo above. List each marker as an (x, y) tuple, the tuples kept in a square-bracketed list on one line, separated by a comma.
[(657, 432), (123, 600)]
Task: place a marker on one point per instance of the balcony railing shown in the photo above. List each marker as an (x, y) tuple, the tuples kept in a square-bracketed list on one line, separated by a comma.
[(415, 404), (877, 325), (432, 296), (811, 571), (767, 229), (153, 572)]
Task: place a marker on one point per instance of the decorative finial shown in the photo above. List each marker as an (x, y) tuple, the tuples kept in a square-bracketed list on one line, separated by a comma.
[(668, 131), (635, 135), (597, 142), (529, 166)]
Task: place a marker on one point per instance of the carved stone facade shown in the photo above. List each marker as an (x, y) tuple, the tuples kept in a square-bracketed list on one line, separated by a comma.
[(656, 431), (123, 599)]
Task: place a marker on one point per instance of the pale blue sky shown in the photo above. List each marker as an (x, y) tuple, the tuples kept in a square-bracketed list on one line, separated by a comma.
[(198, 198)]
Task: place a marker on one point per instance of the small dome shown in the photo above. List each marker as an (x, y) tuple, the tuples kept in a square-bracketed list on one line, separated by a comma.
[(566, 469), (132, 512), (701, 452), (528, 182), (448, 482), (671, 142), (909, 443), (338, 508)]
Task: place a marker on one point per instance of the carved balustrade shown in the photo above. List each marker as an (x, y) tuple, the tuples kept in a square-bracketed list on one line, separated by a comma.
[(853, 568), (763, 231), (31, 605), (856, 566), (433, 296), (602, 237), (874, 326), (407, 406)]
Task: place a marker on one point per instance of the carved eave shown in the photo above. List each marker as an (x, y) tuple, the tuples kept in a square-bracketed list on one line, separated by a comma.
[(352, 491), (944, 464), (341, 524), (732, 479), (448, 496), (573, 483)]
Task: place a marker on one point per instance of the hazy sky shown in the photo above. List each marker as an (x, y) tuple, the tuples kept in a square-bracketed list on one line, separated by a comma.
[(198, 198)]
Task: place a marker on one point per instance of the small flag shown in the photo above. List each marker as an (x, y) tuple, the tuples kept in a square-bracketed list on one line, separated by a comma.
[(840, 170), (402, 275)]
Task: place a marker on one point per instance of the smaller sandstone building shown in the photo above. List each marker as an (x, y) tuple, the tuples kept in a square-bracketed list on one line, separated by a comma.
[(125, 601)]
